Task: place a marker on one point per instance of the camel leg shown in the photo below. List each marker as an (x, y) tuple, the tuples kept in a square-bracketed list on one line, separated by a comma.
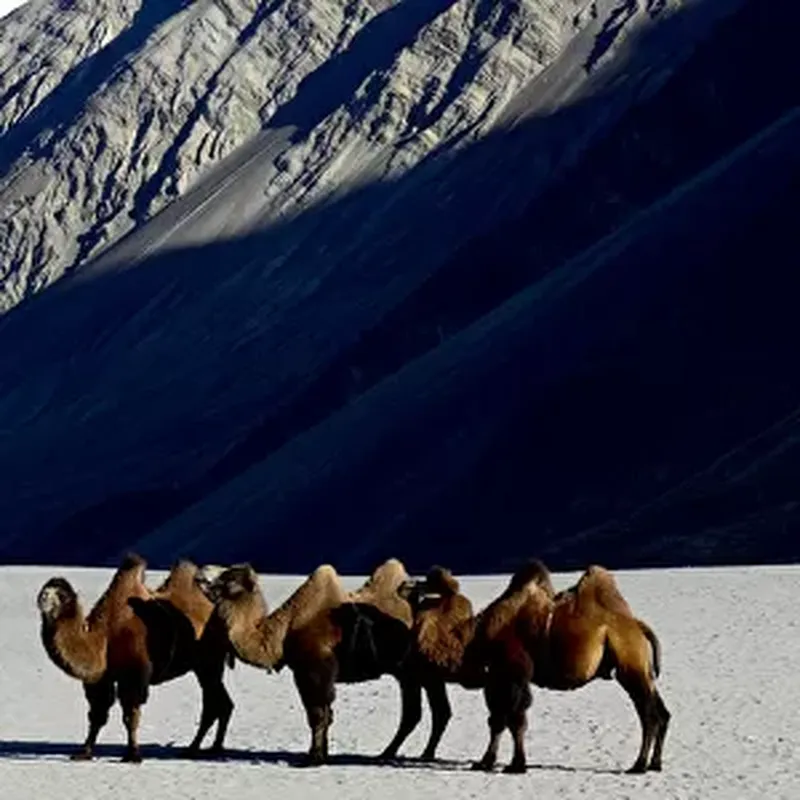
[(642, 693), (217, 705), (317, 691), (410, 715), (133, 692), (224, 713), (518, 723), (497, 724), (663, 716), (328, 723), (498, 701), (440, 716), (100, 697)]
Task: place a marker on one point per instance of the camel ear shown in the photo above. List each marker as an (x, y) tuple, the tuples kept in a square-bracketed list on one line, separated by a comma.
[(250, 579)]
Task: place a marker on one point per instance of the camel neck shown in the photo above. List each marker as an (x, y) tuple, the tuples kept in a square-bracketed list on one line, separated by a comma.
[(74, 647)]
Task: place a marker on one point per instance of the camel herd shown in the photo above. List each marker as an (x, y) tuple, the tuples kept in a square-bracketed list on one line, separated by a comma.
[(423, 632)]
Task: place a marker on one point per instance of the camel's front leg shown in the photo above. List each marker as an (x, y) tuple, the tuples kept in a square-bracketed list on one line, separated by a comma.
[(440, 716), (410, 715), (133, 691), (100, 697)]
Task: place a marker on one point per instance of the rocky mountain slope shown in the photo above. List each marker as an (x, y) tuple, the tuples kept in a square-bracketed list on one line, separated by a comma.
[(394, 276), (111, 110)]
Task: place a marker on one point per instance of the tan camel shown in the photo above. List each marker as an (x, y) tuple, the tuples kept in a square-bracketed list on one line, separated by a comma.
[(114, 654), (531, 635), (325, 634)]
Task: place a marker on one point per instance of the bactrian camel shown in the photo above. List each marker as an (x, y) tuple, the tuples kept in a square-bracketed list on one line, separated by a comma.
[(115, 655), (531, 635), (323, 633)]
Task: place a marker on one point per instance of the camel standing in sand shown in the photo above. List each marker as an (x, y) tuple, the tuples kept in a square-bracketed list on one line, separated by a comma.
[(531, 635), (325, 635), (115, 654)]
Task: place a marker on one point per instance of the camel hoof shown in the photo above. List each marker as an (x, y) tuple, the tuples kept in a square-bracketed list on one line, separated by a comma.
[(515, 769), (428, 757), (481, 766), (312, 760), (655, 766), (82, 755), (637, 769), (134, 757)]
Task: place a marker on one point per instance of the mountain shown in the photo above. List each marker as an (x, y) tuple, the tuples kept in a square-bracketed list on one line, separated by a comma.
[(295, 282)]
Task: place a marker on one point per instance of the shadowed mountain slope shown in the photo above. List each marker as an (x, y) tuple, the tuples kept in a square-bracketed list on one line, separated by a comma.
[(555, 326)]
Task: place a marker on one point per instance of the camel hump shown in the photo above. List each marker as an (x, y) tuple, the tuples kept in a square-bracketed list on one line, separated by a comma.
[(597, 585), (532, 571), (322, 589), (441, 581), (386, 576), (325, 572), (381, 590), (132, 561), (181, 575)]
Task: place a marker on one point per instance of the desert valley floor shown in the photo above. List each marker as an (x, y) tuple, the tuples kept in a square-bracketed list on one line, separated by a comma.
[(731, 648)]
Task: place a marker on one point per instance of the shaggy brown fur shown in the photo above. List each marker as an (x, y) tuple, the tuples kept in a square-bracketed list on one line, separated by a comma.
[(109, 651), (323, 633), (443, 628), (451, 643), (563, 643)]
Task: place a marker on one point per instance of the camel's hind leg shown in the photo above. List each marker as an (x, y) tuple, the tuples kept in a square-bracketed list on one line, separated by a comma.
[(508, 698), (497, 724), (317, 690), (100, 696), (133, 690), (642, 692), (410, 715), (440, 716), (663, 716)]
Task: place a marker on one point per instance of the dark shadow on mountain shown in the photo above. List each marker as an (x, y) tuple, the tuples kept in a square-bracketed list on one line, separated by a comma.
[(67, 100), (560, 454), (371, 52), (467, 287)]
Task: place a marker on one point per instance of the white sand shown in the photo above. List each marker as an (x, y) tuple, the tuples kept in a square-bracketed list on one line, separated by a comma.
[(731, 649)]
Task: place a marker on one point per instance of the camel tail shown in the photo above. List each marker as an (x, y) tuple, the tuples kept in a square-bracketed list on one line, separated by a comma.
[(655, 644)]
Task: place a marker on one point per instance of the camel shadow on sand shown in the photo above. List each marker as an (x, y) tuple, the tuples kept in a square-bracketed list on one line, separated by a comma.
[(45, 750)]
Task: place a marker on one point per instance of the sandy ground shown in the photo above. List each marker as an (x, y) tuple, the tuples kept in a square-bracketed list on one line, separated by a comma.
[(731, 645)]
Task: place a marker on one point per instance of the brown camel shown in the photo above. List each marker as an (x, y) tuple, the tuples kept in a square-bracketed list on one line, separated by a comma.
[(323, 633), (183, 636), (115, 654), (531, 635), (445, 648)]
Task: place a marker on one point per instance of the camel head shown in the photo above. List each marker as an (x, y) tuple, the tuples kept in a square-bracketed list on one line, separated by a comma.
[(430, 590), (206, 577), (56, 600), (232, 584)]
